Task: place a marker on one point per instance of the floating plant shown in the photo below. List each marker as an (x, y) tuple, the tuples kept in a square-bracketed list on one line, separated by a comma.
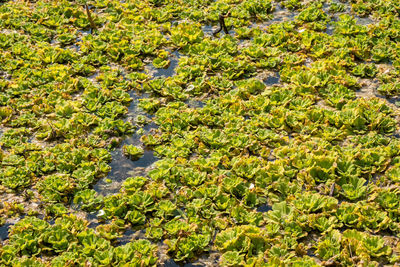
[(263, 145)]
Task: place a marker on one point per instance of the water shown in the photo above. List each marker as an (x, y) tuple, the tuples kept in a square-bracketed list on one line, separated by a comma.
[(193, 103), (4, 231), (308, 62), (92, 219), (92, 77), (326, 7), (329, 29), (282, 14), (126, 237), (311, 253), (4, 75), (264, 208), (208, 30), (168, 72), (75, 47), (5, 228), (122, 168), (272, 80), (130, 235), (172, 263), (395, 100), (364, 21), (85, 32)]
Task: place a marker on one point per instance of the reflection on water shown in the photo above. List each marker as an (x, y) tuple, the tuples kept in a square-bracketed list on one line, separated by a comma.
[(130, 235), (122, 168), (364, 21), (329, 29), (172, 263), (168, 72), (208, 30), (4, 231), (264, 208), (272, 80), (192, 103)]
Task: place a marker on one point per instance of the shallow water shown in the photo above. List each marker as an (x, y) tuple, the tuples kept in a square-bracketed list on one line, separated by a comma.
[(264, 208), (172, 263), (280, 14), (329, 29), (122, 168), (170, 71), (208, 30), (203, 261), (4, 231), (364, 21), (193, 103), (130, 235), (272, 80)]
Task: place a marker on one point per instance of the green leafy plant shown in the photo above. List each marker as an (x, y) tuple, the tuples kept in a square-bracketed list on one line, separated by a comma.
[(133, 152)]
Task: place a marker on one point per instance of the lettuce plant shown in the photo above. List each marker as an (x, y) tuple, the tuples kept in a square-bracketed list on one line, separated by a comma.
[(133, 152)]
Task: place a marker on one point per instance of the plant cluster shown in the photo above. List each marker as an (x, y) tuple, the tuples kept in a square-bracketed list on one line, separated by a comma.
[(69, 242), (304, 172)]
